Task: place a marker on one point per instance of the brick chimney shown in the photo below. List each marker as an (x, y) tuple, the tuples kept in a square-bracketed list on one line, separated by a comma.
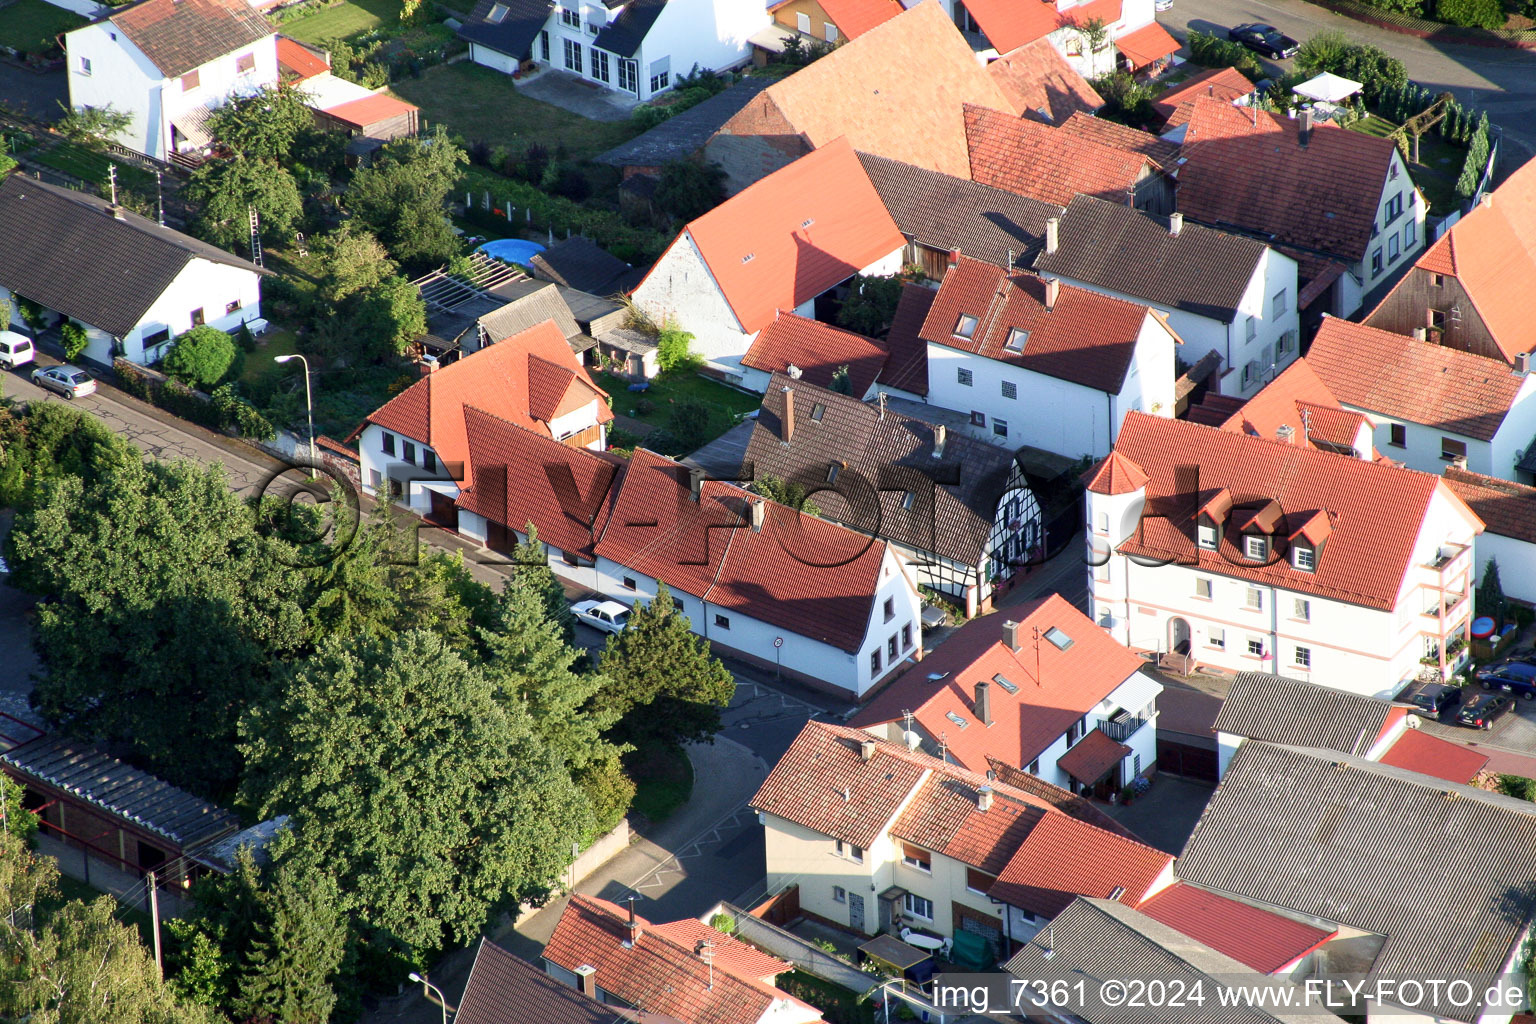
[(586, 980), (1052, 234), (984, 703), (1052, 292), (787, 421), (1175, 223), (1011, 635)]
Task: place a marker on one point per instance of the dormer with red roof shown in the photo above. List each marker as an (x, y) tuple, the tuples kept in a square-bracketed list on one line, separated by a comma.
[(1298, 408)]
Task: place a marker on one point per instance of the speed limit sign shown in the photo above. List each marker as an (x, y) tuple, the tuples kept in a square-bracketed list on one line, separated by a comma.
[(778, 641)]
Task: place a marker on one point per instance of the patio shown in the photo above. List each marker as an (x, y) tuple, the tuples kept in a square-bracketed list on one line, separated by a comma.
[(579, 96)]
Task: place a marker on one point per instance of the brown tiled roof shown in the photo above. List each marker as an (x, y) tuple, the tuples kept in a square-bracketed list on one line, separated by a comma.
[(1046, 163), (1246, 168), (818, 350), (1122, 137), (1505, 507), (945, 818), (1116, 474), (895, 91), (1430, 755), (181, 35), (1261, 939), (502, 989), (1299, 399), (1092, 757), (1200, 270), (731, 954), (1227, 84), (1037, 79), (1057, 862), (907, 365), (1067, 803), (1086, 338), (1418, 381), (1377, 509)]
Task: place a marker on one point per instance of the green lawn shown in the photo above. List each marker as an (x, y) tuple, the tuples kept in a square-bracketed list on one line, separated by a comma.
[(89, 165), (32, 25), (1439, 163), (259, 364), (663, 780), (480, 103), (727, 405), (343, 21), (838, 1005)]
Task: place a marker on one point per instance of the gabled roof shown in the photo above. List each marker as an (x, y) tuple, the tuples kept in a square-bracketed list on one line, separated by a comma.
[(895, 91), (1060, 860), (1067, 685), (1507, 508), (624, 34), (531, 303), (512, 30), (942, 211), (1093, 757), (1145, 45), (1247, 169), (1262, 706), (298, 62), (1086, 338), (1122, 137), (1038, 81), (794, 234), (181, 35), (1281, 812), (1009, 26), (1299, 399), (818, 350), (370, 110), (1110, 245), (503, 989), (1046, 163), (951, 515), (582, 264), (1259, 939), (707, 548), (1417, 381), (1227, 84), (906, 367), (65, 250), (1418, 751), (854, 17)]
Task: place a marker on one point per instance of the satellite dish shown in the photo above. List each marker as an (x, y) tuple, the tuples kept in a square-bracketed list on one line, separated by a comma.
[(911, 739)]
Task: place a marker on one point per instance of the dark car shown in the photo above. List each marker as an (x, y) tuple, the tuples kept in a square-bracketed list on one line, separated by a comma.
[(1430, 699), (1265, 39), (1525, 654), (1514, 677), (1481, 710)]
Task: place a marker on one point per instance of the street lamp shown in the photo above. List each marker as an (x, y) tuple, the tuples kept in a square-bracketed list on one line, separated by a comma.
[(309, 404), (442, 1000)]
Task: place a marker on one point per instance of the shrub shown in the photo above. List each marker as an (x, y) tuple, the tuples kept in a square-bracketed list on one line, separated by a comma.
[(723, 922), (690, 188), (1125, 99), (201, 357), (1215, 52), (1481, 13), (1378, 72), (565, 179), (620, 439), (689, 423), (74, 338), (644, 407), (245, 339), (674, 353)]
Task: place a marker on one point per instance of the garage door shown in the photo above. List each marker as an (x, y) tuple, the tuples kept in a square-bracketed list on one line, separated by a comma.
[(1190, 761)]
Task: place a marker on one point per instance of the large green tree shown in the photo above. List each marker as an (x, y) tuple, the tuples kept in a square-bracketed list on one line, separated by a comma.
[(353, 260), (664, 684), (202, 357), (227, 190), (265, 125), (402, 197), (297, 951)]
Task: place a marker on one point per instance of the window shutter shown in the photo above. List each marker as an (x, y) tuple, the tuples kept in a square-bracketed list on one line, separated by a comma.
[(662, 66), (914, 852)]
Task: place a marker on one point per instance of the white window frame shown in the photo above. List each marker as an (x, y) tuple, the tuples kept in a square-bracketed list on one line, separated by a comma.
[(1255, 548), (1301, 657), (917, 865), (1206, 537), (1217, 637), (830, 31), (1254, 599), (964, 377), (839, 894), (1301, 609), (1204, 588), (910, 902), (1304, 557), (1277, 306), (1256, 646), (803, 23)]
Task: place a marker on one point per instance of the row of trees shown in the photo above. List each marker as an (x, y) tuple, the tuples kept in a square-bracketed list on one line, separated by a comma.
[(437, 747)]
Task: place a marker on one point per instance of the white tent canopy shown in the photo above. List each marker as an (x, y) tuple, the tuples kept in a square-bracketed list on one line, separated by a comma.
[(1327, 88)]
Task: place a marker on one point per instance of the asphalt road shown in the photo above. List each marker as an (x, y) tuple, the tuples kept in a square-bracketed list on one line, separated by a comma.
[(1500, 81)]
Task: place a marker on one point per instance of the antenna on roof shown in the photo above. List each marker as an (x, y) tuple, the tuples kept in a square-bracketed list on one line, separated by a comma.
[(1306, 426), (1050, 944), (944, 746), (1038, 682), (160, 198), (112, 181)]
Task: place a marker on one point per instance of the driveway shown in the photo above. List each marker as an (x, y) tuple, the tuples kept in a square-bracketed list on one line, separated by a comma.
[(1515, 732), (35, 95), (1166, 814), (577, 95)]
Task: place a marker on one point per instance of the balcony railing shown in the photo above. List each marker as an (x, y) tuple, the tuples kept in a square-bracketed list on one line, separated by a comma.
[(1122, 725)]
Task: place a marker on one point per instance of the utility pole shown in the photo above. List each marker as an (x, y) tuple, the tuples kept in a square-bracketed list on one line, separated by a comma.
[(154, 918)]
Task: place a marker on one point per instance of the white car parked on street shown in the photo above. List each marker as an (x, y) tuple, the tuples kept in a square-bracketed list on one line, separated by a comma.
[(607, 616), (15, 349)]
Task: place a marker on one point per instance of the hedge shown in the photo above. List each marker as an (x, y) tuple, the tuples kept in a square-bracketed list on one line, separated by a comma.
[(220, 411)]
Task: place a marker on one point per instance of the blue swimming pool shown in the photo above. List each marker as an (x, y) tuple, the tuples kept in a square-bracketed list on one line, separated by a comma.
[(512, 250)]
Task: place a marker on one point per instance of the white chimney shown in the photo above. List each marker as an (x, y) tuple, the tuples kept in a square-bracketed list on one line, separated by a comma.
[(866, 750), (1052, 234), (1175, 223), (1285, 432), (940, 436), (1421, 334), (1052, 292), (758, 510), (984, 798)]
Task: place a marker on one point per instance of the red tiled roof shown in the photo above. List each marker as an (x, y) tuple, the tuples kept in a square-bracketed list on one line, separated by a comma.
[(855, 17), (1045, 163), (1009, 24), (1246, 168), (1036, 77), (944, 817), (1092, 757), (1087, 338), (1300, 400), (1418, 751), (794, 234), (731, 954), (818, 349), (1507, 508), (522, 477), (1418, 381), (1055, 864), (1377, 509), (1121, 137), (1149, 43), (1257, 938), (180, 35), (707, 548), (658, 974), (525, 380), (906, 367), (1116, 474), (370, 109), (1107, 11), (1070, 683), (299, 60), (1228, 84)]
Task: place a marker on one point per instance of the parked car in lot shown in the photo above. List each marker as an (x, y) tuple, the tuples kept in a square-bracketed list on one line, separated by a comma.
[(15, 349), (1514, 677), (1481, 710), (608, 616), (1524, 654), (69, 381), (1430, 699), (1264, 39)]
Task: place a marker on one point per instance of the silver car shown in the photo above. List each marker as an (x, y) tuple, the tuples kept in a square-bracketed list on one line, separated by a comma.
[(607, 616), (69, 381)]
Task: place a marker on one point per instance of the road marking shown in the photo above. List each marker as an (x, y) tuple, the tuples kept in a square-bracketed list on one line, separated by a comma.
[(671, 870)]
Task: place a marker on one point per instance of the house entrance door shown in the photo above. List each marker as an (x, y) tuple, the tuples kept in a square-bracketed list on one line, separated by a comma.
[(856, 912), (1178, 636)]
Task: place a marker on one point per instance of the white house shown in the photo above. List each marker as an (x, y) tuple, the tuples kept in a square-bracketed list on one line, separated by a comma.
[(1263, 554), (1055, 696), (169, 63), (1509, 511), (1429, 404), (1037, 362), (881, 838), (1132, 39), (1221, 292), (134, 285), (635, 47), (777, 245)]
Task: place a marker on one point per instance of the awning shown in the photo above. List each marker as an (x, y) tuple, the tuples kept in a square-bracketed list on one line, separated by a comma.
[(1093, 757), (192, 126), (771, 38), (1327, 88), (1147, 44), (890, 950)]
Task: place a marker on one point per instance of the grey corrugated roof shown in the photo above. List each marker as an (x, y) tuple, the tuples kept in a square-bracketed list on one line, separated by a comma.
[(1263, 706), (65, 250), (1200, 270), (120, 790), (945, 212), (539, 302), (515, 33), (580, 263), (882, 452), (625, 33), (684, 134), (1104, 939), (1443, 871)]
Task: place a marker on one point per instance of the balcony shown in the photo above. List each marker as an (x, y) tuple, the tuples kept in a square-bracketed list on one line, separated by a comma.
[(1122, 725), (1446, 607), (1446, 556)]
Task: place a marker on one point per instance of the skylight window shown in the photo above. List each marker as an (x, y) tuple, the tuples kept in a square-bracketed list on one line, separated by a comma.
[(955, 718), (817, 411), (965, 326), (498, 13), (808, 222), (749, 257), (907, 498), (1006, 683), (1016, 339), (1057, 637)]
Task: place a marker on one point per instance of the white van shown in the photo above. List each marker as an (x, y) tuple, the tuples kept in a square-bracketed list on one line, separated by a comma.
[(15, 349)]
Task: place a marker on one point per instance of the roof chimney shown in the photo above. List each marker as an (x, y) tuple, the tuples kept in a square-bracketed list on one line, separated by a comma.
[(586, 980), (984, 703), (1052, 234), (1175, 223), (757, 510), (940, 436), (954, 257), (787, 421), (634, 927), (1522, 363), (1011, 635), (1486, 199), (695, 483), (1304, 129), (1052, 291), (984, 798), (1421, 334), (1285, 432), (867, 750)]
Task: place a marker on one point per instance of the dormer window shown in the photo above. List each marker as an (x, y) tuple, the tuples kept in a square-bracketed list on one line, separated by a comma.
[(1304, 558), (1255, 549), (1207, 536), (965, 327), (1016, 339), (497, 14)]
